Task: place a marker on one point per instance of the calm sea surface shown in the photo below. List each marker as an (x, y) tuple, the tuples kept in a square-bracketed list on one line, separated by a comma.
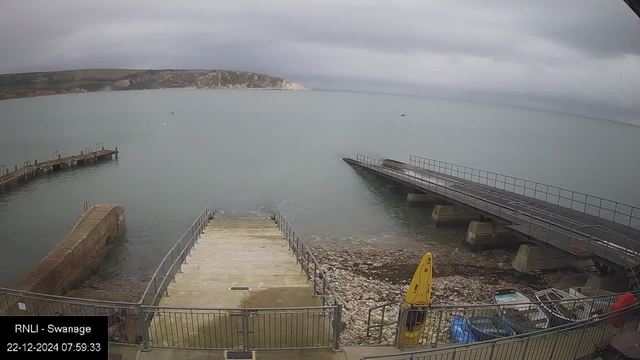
[(246, 150)]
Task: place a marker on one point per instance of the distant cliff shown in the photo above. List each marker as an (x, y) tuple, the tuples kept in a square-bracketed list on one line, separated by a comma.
[(78, 81)]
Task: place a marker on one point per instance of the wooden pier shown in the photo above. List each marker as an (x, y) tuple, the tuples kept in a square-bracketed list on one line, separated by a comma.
[(30, 170)]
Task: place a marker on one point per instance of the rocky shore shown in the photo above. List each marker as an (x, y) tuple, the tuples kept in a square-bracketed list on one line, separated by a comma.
[(368, 277)]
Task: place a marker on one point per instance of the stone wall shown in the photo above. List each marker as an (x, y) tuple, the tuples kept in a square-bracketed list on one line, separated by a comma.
[(78, 254)]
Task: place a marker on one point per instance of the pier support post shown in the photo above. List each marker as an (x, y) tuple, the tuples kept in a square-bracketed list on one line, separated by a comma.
[(116, 153), (613, 283), (484, 235), (422, 198), (452, 215), (531, 257)]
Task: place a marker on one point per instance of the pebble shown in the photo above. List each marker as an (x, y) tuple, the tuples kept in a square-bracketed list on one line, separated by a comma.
[(385, 275)]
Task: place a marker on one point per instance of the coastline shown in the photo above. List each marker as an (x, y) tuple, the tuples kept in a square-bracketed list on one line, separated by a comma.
[(41, 93)]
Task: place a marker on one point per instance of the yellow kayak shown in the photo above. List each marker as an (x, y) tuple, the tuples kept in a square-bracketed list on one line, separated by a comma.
[(419, 293)]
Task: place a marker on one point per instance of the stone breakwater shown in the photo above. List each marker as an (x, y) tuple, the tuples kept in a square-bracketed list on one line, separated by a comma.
[(367, 277)]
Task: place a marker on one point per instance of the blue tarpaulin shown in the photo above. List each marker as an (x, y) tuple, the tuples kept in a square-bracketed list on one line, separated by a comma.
[(460, 331)]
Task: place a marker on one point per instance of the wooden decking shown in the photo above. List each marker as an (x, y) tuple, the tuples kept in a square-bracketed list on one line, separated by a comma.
[(31, 170)]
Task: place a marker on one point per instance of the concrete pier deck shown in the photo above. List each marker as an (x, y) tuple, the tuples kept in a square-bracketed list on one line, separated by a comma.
[(241, 288), (236, 254), (579, 235)]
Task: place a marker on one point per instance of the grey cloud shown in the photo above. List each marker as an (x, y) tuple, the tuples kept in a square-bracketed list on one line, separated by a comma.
[(576, 51)]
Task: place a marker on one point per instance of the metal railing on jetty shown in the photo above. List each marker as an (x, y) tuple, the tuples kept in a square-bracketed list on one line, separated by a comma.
[(566, 342), (149, 325), (321, 283), (611, 210), (171, 264), (538, 223)]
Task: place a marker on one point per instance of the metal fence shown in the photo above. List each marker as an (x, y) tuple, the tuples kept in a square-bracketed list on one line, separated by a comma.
[(570, 341), (384, 320), (172, 262), (247, 329), (615, 211), (539, 224), (149, 325), (125, 319), (321, 284)]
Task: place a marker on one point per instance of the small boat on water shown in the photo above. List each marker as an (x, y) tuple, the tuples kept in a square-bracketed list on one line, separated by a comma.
[(486, 328), (563, 308), (518, 313)]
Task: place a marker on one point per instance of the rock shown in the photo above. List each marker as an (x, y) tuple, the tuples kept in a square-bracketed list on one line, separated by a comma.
[(348, 306)]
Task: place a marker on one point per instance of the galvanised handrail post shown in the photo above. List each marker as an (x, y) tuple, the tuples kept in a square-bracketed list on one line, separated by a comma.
[(607, 248), (402, 321), (337, 323), (553, 349), (526, 346), (530, 220), (493, 346), (324, 290), (144, 328)]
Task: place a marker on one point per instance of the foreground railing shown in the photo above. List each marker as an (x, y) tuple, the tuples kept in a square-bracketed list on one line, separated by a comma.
[(384, 320), (172, 262), (593, 205), (125, 319), (538, 223), (570, 341), (246, 328)]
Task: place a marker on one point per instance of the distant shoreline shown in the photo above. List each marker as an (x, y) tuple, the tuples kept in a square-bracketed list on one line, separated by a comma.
[(27, 85), (28, 96)]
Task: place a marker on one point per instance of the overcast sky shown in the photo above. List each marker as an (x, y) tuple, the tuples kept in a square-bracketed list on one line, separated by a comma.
[(580, 56)]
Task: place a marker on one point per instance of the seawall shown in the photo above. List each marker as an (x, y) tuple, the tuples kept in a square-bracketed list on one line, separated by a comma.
[(78, 254)]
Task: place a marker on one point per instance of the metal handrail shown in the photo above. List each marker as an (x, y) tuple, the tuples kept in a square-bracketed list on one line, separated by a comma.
[(512, 210), (300, 248), (380, 326), (425, 163), (318, 277), (471, 306), (236, 309), (584, 324), (65, 299), (538, 188), (602, 302), (183, 248)]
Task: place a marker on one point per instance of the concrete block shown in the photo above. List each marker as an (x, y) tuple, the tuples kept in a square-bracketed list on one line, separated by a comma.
[(484, 235), (422, 198), (78, 254), (452, 215), (608, 282), (532, 257)]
